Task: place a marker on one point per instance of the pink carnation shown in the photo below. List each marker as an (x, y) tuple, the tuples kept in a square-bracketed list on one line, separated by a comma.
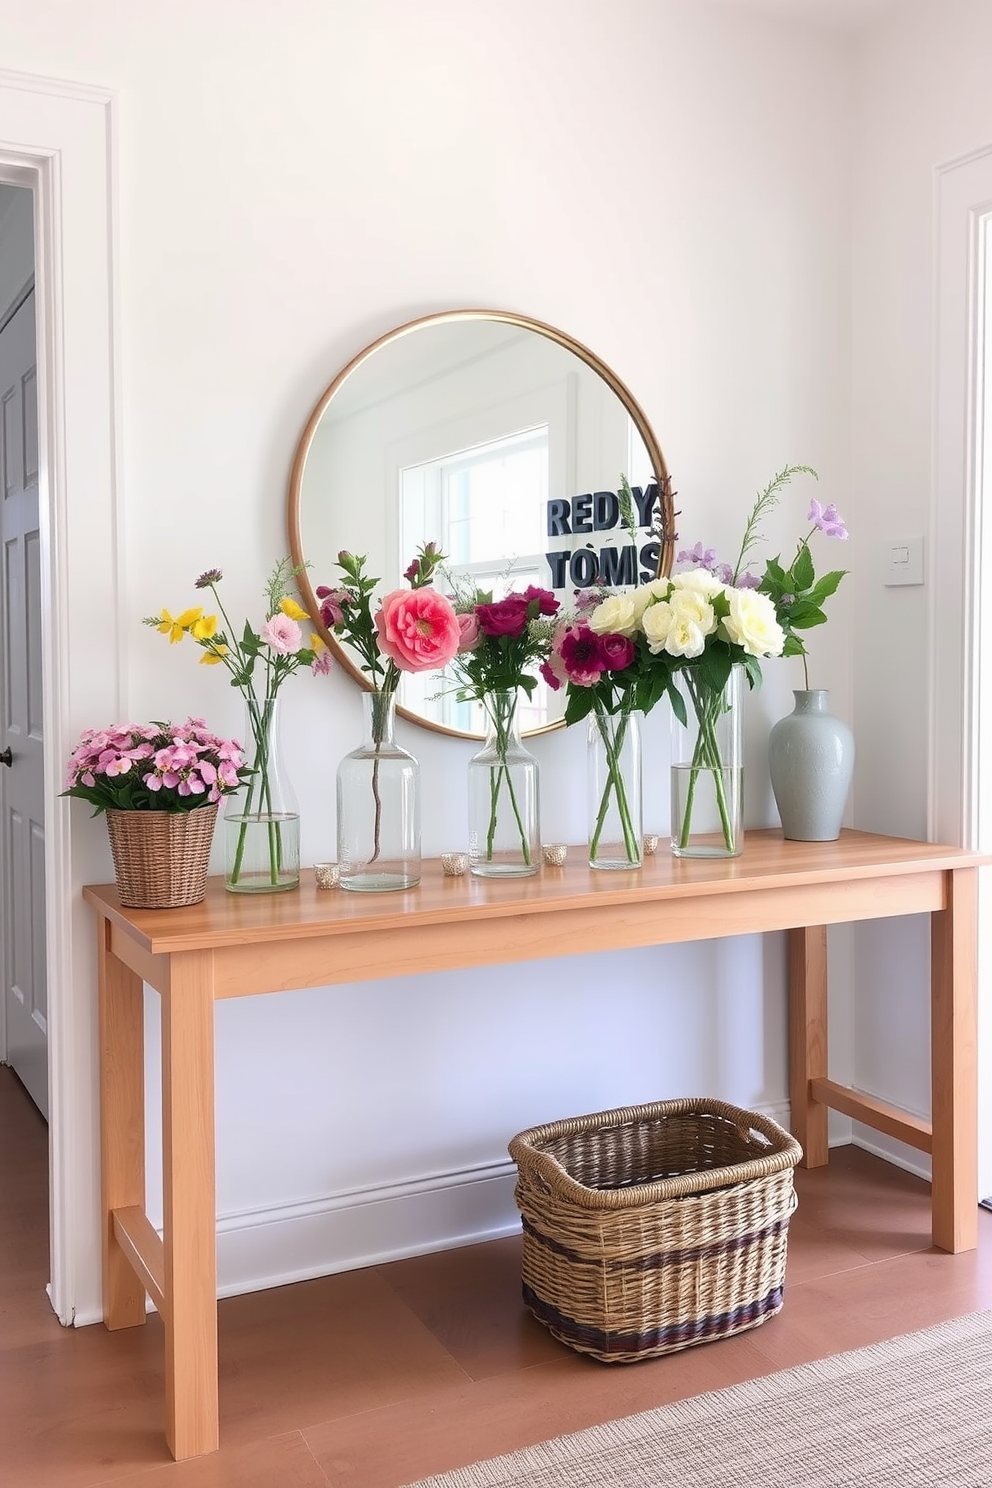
[(417, 629), (282, 635)]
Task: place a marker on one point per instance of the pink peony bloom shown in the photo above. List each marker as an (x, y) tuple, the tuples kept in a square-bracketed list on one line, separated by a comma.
[(417, 629), (468, 631), (282, 635), (582, 656), (507, 617)]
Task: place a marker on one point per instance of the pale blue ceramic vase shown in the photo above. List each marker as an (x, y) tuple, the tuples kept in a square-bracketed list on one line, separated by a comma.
[(811, 760)]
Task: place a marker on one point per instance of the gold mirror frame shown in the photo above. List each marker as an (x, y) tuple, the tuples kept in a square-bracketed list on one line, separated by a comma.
[(666, 536)]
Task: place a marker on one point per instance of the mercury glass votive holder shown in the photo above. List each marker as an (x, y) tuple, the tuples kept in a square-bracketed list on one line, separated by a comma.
[(555, 854), (326, 875), (454, 864)]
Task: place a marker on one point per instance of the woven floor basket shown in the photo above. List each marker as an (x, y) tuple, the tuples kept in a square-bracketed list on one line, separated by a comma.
[(654, 1227), (161, 857)]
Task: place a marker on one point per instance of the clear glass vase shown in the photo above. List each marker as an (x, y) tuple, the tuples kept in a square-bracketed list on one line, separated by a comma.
[(378, 807), (504, 837), (707, 768), (613, 785), (262, 822)]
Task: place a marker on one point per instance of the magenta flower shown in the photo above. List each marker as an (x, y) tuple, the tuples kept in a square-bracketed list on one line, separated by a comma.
[(617, 651), (321, 664), (547, 603), (582, 656), (553, 681), (333, 605), (507, 617)]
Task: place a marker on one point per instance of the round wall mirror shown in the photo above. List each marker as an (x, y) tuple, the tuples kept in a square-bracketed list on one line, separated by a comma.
[(500, 439)]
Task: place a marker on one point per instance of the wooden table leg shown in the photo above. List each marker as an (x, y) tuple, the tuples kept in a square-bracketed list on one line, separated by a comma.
[(808, 1039), (122, 1125), (954, 1063), (190, 1206)]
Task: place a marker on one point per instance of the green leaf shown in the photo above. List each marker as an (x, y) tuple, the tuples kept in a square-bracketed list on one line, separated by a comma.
[(802, 568)]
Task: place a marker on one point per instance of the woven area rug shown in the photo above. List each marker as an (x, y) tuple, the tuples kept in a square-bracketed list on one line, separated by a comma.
[(915, 1412)]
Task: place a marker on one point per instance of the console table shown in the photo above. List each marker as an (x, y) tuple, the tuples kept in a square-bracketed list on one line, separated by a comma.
[(235, 945)]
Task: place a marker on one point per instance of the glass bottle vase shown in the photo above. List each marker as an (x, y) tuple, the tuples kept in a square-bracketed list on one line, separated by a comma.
[(707, 771), (262, 822), (378, 807), (504, 837), (613, 785)]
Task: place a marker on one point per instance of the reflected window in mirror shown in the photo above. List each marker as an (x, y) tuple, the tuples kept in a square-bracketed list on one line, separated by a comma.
[(483, 506)]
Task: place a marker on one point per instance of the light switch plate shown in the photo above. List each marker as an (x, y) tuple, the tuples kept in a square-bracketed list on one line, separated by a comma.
[(903, 561)]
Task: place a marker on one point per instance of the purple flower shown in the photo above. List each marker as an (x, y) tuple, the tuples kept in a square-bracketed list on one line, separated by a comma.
[(827, 519), (698, 556), (746, 581)]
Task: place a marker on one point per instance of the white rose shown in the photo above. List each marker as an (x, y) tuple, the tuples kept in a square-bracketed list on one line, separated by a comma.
[(698, 581), (615, 616), (679, 625), (647, 594), (752, 623)]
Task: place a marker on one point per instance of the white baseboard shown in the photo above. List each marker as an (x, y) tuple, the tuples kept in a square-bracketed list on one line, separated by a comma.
[(282, 1243)]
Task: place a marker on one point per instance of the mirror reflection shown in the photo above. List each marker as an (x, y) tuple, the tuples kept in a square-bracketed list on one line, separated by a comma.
[(504, 442)]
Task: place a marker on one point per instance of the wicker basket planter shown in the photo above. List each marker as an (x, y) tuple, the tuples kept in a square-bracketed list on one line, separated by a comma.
[(654, 1227), (161, 857)]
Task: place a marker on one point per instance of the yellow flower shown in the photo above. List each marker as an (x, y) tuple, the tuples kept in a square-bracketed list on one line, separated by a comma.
[(292, 609), (175, 627), (213, 656), (203, 629), (316, 644)]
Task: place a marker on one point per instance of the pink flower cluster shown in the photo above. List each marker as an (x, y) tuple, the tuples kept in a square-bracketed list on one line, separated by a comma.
[(154, 766), (580, 656)]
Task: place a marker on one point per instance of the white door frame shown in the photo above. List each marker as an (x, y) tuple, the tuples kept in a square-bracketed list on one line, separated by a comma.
[(960, 802), (59, 140)]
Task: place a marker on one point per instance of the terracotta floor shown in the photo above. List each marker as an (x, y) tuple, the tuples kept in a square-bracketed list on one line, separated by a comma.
[(378, 1377)]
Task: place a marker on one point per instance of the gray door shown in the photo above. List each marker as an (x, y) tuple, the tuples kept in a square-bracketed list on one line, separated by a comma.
[(22, 799)]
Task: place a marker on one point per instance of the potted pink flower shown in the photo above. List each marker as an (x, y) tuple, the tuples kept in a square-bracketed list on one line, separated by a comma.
[(159, 785)]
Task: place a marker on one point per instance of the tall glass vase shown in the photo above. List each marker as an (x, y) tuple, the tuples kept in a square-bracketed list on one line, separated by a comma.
[(378, 806), (707, 768), (504, 837), (262, 821), (613, 785)]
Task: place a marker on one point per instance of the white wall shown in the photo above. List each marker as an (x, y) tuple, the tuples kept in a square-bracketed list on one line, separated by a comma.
[(669, 182), (924, 100)]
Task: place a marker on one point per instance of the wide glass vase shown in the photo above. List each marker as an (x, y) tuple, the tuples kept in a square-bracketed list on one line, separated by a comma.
[(504, 837), (707, 768), (378, 807), (613, 789), (262, 822)]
